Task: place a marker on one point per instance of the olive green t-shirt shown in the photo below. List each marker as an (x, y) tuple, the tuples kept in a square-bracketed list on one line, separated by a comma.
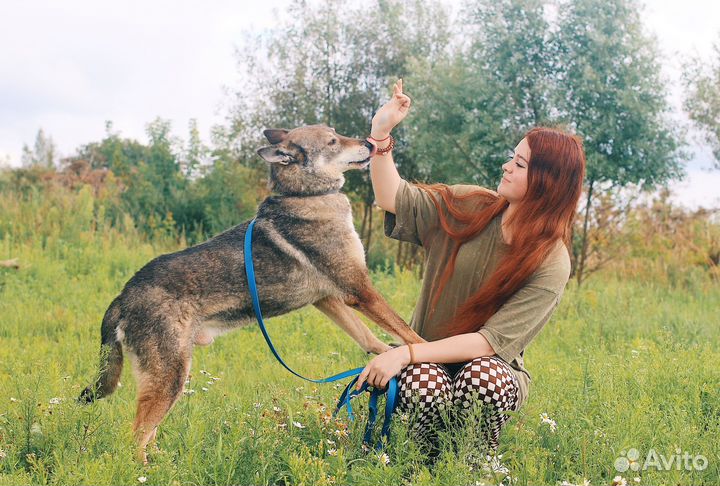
[(519, 320)]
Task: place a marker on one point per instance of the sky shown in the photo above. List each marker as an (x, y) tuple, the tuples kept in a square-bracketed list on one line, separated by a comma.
[(69, 66)]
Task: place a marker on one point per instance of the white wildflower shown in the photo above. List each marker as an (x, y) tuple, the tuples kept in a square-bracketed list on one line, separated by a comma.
[(494, 465), (330, 442), (55, 401), (384, 458), (341, 433), (205, 389), (332, 452), (619, 481), (257, 404), (3, 454), (277, 409), (282, 426), (142, 479), (545, 419), (189, 391), (637, 479), (204, 372), (298, 425), (14, 400)]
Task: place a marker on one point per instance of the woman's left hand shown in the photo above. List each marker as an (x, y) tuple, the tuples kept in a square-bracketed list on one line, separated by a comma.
[(383, 367)]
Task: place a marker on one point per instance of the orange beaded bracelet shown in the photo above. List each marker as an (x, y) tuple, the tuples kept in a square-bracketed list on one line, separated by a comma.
[(387, 149)]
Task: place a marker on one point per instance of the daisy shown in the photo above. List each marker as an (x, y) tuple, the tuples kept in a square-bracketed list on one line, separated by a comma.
[(142, 479), (619, 481), (298, 425), (545, 419)]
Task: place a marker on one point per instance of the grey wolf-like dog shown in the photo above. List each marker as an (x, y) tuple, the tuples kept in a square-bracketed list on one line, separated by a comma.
[(305, 251)]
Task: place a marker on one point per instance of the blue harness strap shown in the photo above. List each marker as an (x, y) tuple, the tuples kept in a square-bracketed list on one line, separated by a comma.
[(348, 393)]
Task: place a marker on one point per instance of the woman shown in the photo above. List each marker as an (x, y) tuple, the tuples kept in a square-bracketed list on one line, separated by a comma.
[(496, 268)]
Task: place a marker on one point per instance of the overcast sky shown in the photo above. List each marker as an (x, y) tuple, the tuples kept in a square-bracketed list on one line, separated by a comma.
[(69, 66)]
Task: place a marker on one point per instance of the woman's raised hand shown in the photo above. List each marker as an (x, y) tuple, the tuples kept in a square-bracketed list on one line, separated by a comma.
[(391, 113)]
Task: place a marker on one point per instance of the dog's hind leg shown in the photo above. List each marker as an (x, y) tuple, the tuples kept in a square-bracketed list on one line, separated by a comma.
[(373, 305), (160, 384), (344, 317)]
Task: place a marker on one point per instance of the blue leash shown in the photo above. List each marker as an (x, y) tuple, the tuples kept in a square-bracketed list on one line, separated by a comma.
[(347, 394)]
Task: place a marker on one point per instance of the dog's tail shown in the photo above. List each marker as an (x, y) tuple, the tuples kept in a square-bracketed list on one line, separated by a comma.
[(111, 358)]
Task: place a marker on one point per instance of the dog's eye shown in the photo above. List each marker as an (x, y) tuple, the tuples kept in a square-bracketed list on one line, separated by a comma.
[(332, 142)]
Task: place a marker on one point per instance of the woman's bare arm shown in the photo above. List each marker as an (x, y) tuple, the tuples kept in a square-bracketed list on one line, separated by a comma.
[(455, 349), (384, 175)]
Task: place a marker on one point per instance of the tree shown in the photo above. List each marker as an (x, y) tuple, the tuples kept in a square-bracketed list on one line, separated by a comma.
[(195, 153), (702, 99), (611, 93), (43, 153), (473, 107)]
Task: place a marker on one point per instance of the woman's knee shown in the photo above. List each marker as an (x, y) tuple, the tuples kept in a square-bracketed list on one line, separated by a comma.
[(488, 379), (426, 384)]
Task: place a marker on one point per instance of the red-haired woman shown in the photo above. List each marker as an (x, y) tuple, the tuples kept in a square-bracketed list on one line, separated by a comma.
[(496, 266)]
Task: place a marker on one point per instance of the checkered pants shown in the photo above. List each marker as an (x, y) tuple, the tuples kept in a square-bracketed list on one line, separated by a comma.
[(426, 389)]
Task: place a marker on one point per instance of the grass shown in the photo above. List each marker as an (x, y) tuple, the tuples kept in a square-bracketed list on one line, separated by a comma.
[(622, 364)]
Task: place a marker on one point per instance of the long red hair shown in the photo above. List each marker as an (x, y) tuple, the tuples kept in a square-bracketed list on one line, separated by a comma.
[(545, 214)]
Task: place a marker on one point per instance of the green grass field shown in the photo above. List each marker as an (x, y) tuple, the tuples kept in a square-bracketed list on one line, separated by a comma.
[(622, 364)]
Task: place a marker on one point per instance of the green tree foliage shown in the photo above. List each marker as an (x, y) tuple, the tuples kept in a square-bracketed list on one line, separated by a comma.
[(613, 95), (472, 107), (702, 99)]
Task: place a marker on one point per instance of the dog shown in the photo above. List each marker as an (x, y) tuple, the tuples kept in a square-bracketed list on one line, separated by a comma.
[(305, 251)]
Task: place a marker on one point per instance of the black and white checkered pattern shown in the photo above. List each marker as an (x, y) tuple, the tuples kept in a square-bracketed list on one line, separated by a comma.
[(427, 388)]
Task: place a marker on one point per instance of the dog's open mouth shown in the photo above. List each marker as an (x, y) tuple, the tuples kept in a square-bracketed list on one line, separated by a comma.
[(361, 164)]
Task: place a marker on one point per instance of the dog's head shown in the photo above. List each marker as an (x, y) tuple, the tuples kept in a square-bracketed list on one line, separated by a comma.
[(312, 159)]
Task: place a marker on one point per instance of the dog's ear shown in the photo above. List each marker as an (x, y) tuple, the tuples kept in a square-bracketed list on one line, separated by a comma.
[(275, 135), (275, 155)]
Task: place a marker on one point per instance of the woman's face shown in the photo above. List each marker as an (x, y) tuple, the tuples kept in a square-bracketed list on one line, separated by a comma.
[(513, 184)]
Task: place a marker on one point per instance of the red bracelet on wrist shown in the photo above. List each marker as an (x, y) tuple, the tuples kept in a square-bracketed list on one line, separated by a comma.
[(387, 149), (371, 138)]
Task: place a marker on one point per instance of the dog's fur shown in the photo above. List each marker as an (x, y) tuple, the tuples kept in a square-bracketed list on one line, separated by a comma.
[(305, 251)]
